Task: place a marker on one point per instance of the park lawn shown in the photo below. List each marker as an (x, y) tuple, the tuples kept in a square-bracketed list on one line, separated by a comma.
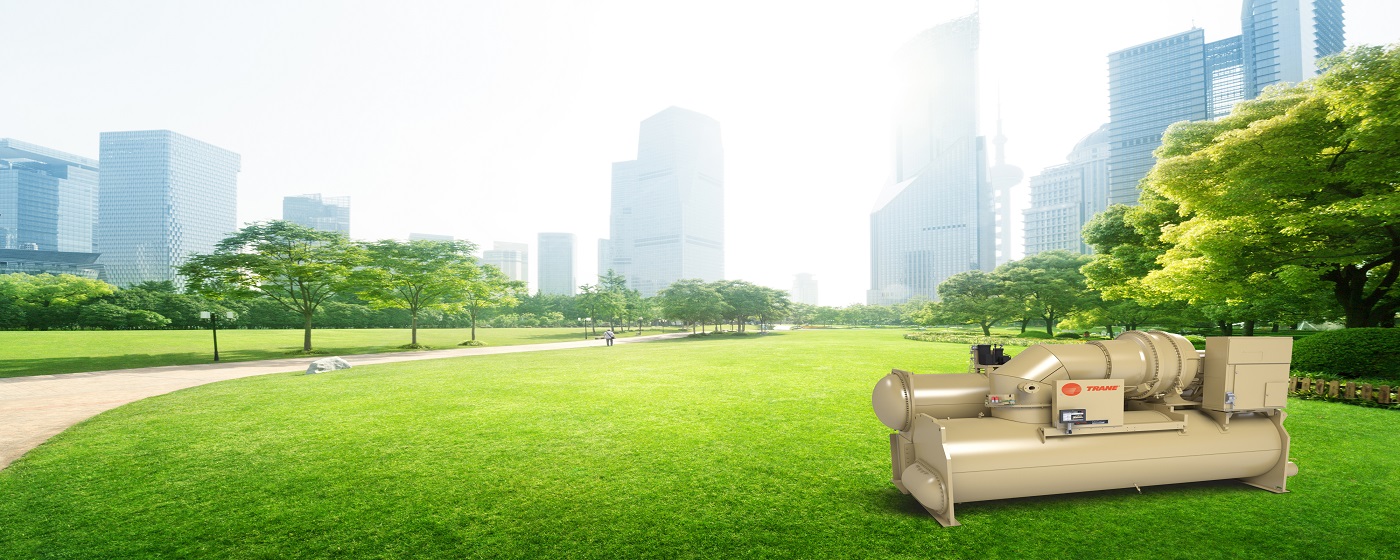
[(707, 447), (47, 352)]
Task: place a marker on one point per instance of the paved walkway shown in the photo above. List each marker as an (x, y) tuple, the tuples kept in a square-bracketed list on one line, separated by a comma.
[(36, 408)]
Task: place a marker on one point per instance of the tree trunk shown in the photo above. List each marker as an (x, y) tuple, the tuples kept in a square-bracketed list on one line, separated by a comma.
[(986, 329), (415, 329), (1249, 327), (1226, 328), (306, 335), (1274, 328), (1110, 330)]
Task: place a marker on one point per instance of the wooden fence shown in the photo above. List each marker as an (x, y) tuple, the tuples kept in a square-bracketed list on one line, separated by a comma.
[(1348, 390)]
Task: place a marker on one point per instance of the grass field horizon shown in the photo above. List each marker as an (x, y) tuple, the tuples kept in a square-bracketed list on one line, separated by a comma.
[(51, 352), (756, 446)]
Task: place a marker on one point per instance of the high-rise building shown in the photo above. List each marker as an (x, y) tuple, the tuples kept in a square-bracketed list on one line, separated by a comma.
[(1064, 197), (1182, 77), (1283, 39), (331, 213), (48, 198), (936, 218), (1150, 86), (804, 289), (668, 204), (512, 258), (556, 260), (161, 197)]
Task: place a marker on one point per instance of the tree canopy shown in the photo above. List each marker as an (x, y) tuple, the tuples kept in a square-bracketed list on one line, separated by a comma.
[(294, 265)]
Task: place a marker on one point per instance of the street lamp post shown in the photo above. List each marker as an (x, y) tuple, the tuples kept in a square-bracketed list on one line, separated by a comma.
[(214, 322)]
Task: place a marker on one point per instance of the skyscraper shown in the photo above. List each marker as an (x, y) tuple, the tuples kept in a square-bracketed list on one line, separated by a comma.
[(161, 197), (1150, 86), (668, 204), (1064, 197), (936, 217), (512, 258), (804, 289), (331, 213), (557, 264), (1003, 176), (48, 198), (1282, 39), (1182, 77)]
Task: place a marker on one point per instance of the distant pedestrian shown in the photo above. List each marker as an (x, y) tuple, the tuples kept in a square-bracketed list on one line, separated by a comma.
[(608, 336)]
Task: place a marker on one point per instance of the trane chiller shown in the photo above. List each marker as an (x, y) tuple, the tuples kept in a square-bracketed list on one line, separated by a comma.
[(1144, 409)]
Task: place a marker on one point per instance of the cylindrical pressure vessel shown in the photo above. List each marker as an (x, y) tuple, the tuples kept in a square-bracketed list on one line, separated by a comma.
[(901, 396)]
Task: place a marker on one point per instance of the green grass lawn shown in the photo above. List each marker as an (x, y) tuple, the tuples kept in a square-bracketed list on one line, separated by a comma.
[(46, 352), (716, 447)]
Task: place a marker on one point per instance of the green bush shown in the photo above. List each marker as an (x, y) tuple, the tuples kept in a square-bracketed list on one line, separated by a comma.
[(1197, 340), (1035, 334), (1068, 335), (1351, 353)]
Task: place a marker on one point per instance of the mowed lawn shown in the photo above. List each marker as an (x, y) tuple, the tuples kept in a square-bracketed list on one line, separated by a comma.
[(47, 352), (715, 447)]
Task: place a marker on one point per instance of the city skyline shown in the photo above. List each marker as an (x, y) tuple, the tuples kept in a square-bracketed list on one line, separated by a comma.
[(532, 101)]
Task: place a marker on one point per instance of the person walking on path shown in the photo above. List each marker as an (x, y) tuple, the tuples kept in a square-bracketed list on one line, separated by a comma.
[(608, 336)]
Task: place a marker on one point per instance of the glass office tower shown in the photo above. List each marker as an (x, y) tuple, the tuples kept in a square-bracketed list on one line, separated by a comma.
[(330, 213), (48, 198), (162, 196), (937, 217), (668, 205), (557, 264), (1064, 197)]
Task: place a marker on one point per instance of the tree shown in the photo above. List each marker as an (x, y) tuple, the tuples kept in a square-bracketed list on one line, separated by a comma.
[(487, 288), (48, 301), (416, 276), (973, 297), (1300, 181), (691, 301), (1049, 284), (294, 265), (742, 300)]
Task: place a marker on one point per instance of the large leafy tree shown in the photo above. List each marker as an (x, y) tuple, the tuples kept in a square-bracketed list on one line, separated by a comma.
[(692, 302), (1299, 184), (1049, 284), (415, 276), (974, 297), (486, 287), (293, 265)]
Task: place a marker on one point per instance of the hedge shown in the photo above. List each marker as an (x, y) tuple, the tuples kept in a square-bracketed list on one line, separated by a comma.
[(1350, 353)]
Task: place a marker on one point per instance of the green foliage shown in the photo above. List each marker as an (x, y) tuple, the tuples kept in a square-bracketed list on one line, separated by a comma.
[(1049, 285), (1069, 335), (1288, 200), (416, 276), (1035, 334), (47, 301), (1351, 353), (973, 297), (296, 266)]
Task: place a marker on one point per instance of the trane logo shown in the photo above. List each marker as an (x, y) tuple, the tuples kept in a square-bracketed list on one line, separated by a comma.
[(1072, 389)]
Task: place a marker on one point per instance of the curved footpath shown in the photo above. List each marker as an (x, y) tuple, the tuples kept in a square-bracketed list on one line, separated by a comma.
[(36, 408)]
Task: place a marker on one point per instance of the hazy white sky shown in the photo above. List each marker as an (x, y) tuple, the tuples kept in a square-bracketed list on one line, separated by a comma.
[(493, 121)]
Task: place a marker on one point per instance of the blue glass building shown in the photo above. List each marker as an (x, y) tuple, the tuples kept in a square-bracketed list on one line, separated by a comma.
[(1182, 77), (162, 196), (48, 198)]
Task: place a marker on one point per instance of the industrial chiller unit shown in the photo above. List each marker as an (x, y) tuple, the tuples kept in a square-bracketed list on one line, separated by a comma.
[(1143, 409)]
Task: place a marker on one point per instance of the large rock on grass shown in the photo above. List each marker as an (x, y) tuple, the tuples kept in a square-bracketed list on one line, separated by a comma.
[(327, 364)]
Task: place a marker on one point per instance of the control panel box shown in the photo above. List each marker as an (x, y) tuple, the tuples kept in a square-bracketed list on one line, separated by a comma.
[(1093, 402), (1246, 373)]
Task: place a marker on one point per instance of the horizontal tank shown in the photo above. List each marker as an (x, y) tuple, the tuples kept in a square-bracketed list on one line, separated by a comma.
[(1126, 413)]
